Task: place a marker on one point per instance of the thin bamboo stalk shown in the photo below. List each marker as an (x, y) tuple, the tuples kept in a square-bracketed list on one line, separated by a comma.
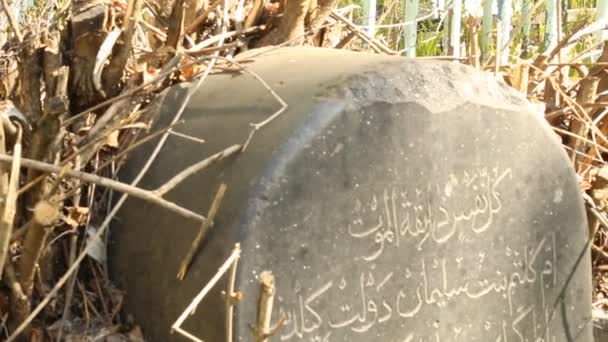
[(455, 31), (550, 39), (601, 12), (505, 13), (526, 12), (486, 29), (369, 15), (409, 32)]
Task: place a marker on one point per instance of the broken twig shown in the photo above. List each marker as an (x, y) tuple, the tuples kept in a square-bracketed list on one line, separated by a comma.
[(196, 244)]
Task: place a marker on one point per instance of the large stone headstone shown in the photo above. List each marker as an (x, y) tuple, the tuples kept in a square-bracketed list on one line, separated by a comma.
[(395, 200)]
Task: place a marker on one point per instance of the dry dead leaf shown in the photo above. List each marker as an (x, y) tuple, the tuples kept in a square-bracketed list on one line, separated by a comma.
[(97, 248), (112, 139), (189, 71), (120, 5), (77, 216), (149, 74)]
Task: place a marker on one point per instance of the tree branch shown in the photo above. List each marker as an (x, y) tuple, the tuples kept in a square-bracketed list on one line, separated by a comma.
[(146, 195), (12, 21), (215, 206), (180, 177)]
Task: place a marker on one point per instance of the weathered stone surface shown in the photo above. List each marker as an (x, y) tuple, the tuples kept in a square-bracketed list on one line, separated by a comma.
[(395, 200)]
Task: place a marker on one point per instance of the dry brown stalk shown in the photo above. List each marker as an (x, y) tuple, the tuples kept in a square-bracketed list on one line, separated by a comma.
[(10, 279), (581, 138), (51, 59), (587, 94), (9, 207), (198, 21), (197, 242), (89, 27), (600, 252), (108, 122), (196, 50), (45, 216), (30, 72), (19, 301), (20, 232), (265, 302), (262, 330), (231, 299), (474, 50), (291, 26), (346, 40), (577, 109), (543, 60), (116, 68), (73, 250), (146, 195), (254, 15), (5, 231), (103, 226), (322, 12), (103, 55), (11, 20), (197, 167), (192, 7), (143, 87), (176, 25), (581, 114), (132, 147), (523, 79)]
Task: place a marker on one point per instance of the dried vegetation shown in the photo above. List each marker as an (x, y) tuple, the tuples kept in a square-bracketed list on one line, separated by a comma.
[(76, 78)]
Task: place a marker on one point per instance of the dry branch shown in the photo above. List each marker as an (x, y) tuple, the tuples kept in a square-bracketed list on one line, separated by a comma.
[(197, 242), (146, 195), (255, 13), (193, 169), (194, 25), (30, 73), (587, 94), (265, 302), (12, 21), (231, 299), (45, 215), (115, 70), (89, 26), (6, 225), (262, 330), (9, 207), (176, 25)]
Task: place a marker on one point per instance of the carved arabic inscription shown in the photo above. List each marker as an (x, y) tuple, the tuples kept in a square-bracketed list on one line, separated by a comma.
[(383, 292)]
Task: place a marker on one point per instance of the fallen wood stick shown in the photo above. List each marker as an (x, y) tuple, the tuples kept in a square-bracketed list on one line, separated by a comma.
[(146, 195), (196, 244), (11, 20), (263, 330), (265, 302)]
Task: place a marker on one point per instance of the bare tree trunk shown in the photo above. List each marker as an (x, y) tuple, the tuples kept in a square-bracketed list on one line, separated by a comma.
[(291, 27), (89, 25)]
